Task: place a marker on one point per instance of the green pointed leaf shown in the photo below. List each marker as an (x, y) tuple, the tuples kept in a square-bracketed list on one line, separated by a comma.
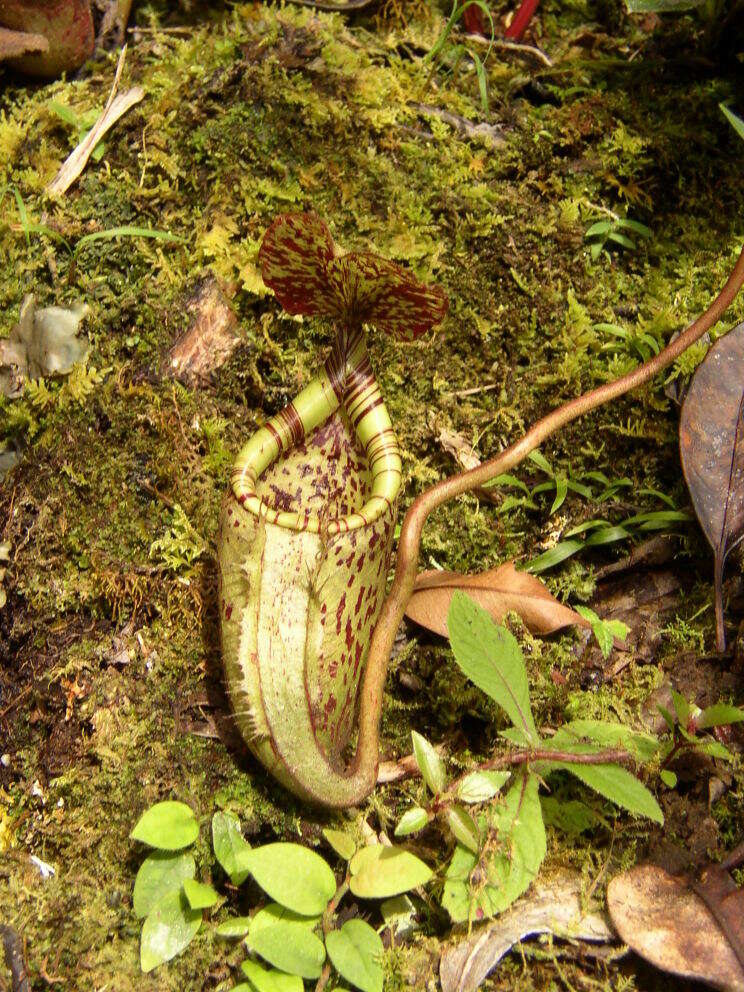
[(464, 828), (561, 491), (234, 928), (230, 847), (681, 708), (605, 733), (668, 778), (429, 763), (554, 556), (355, 951), (294, 876), (263, 980), (199, 895), (379, 872), (490, 656), (736, 122), (160, 873), (168, 930), (719, 715), (599, 228), (479, 787), (167, 826), (342, 844), (412, 821), (287, 941), (618, 785)]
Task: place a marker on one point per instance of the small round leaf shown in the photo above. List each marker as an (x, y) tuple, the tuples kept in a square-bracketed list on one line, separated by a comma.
[(168, 930), (430, 764), (341, 843), (379, 872), (160, 873), (230, 847), (412, 821), (167, 826), (479, 787), (262, 980), (355, 951), (199, 895), (234, 928), (293, 876), (287, 941)]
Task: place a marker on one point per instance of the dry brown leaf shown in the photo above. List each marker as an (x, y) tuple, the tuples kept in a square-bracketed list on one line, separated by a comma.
[(210, 339), (465, 456), (499, 591), (554, 907), (667, 923)]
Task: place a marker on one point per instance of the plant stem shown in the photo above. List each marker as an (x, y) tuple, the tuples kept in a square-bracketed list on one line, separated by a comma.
[(364, 767), (511, 759)]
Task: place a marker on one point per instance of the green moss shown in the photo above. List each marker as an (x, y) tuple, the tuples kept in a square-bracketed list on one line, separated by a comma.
[(256, 111)]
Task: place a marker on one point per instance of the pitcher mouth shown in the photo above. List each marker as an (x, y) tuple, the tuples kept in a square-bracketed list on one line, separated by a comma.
[(366, 473), (328, 474)]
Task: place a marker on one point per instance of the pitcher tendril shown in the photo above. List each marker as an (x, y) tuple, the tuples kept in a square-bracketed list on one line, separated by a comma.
[(307, 527)]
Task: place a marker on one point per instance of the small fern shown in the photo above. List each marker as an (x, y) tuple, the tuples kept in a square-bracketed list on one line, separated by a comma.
[(181, 544)]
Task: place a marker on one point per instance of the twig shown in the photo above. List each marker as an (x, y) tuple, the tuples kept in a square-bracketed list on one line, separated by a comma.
[(335, 7), (510, 46), (14, 958), (474, 390), (325, 976), (116, 107)]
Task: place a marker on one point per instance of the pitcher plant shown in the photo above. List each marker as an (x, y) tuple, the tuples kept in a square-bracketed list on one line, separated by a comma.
[(307, 527)]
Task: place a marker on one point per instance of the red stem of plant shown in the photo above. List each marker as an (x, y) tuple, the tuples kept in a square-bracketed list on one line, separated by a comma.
[(518, 26)]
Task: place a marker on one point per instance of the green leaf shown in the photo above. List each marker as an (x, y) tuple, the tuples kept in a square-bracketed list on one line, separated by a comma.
[(160, 873), (286, 940), (464, 828), (570, 815), (668, 778), (294, 876), (541, 461), (561, 491), (412, 821), (234, 928), (429, 763), (199, 895), (168, 826), (554, 556), (355, 951), (681, 708), (342, 844), (635, 226), (734, 120), (507, 480), (618, 785), (379, 872), (601, 227), (719, 715), (262, 980), (479, 787), (168, 930), (127, 232), (518, 828), (604, 630), (490, 656), (230, 847), (606, 733)]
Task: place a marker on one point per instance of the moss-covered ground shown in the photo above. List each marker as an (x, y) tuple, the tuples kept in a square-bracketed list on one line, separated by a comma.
[(109, 660)]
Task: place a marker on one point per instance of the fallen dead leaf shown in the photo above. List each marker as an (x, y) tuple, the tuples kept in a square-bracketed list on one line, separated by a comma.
[(465, 456), (499, 591), (210, 339), (665, 920), (554, 906)]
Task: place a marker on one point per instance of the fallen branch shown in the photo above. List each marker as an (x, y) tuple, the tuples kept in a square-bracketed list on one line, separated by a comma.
[(116, 107)]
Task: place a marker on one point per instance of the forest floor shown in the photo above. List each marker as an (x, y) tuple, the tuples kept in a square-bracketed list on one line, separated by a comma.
[(110, 683)]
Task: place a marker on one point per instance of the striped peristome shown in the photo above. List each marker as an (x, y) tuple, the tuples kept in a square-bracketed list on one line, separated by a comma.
[(307, 527)]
